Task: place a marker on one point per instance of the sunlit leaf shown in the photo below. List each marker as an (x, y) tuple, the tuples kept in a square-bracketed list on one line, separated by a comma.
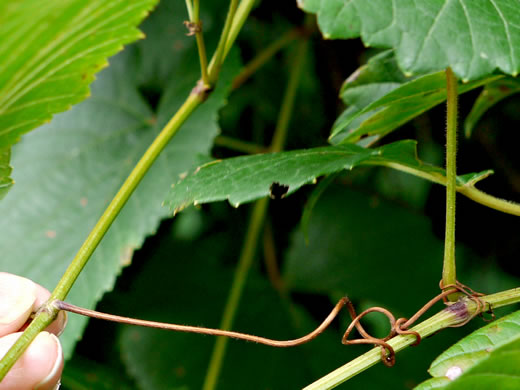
[(50, 52)]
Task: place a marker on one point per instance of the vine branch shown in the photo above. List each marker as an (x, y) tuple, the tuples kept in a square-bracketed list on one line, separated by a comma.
[(195, 28), (449, 267)]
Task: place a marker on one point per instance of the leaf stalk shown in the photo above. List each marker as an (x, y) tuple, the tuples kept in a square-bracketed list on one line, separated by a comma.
[(449, 268)]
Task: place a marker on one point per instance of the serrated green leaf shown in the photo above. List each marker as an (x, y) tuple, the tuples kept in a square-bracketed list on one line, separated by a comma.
[(492, 94), (472, 37), (487, 358), (5, 171), (50, 52), (246, 178), (71, 168), (393, 109)]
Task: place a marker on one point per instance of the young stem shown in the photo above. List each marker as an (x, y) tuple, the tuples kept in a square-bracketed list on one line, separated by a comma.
[(441, 320), (449, 270), (256, 223), (194, 16), (220, 52)]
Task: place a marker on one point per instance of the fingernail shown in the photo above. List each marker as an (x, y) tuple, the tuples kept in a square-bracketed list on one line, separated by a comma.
[(17, 298), (51, 381)]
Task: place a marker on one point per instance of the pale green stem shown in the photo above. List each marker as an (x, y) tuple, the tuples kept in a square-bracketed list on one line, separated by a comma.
[(240, 18), (449, 276), (189, 7), (244, 264), (286, 109), (200, 44), (467, 190), (49, 313), (253, 232), (220, 52), (239, 145), (441, 320)]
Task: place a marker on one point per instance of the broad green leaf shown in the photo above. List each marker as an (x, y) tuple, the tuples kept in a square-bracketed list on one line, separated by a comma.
[(394, 108), (492, 94), (71, 168), (472, 37), (50, 52), (243, 179), (487, 358), (5, 170)]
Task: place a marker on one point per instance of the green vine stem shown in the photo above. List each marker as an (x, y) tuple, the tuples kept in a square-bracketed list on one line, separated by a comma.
[(48, 312), (441, 320), (196, 24), (467, 190), (449, 276), (257, 221), (220, 52)]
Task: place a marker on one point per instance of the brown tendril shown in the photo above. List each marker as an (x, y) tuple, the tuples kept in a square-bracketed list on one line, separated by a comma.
[(397, 327)]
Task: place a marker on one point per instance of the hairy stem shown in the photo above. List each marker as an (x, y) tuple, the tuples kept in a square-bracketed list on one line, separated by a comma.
[(449, 276), (441, 320), (257, 220)]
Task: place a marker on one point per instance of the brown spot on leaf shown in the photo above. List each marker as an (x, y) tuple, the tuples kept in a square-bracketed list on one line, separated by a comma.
[(51, 233)]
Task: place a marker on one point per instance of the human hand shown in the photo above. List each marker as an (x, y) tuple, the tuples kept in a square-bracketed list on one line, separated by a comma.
[(41, 365)]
